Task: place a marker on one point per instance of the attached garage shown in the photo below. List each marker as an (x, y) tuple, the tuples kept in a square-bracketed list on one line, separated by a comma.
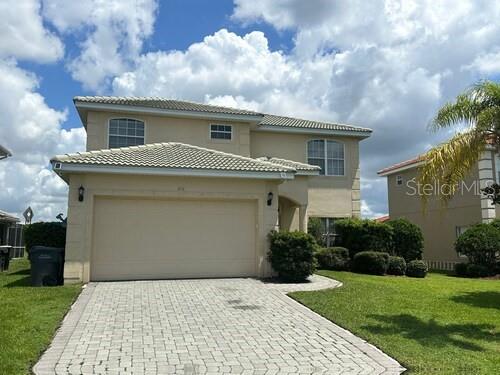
[(165, 238), (168, 211)]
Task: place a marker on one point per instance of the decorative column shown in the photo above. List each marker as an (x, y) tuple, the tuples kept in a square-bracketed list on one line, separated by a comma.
[(486, 176), (303, 218)]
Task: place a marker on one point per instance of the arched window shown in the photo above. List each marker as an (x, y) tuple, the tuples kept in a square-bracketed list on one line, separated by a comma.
[(124, 132), (329, 155)]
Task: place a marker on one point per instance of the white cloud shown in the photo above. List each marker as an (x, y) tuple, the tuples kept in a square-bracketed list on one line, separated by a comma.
[(488, 63), (23, 35), (113, 34), (32, 131)]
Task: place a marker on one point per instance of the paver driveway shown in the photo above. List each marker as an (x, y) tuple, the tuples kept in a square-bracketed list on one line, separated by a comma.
[(215, 326)]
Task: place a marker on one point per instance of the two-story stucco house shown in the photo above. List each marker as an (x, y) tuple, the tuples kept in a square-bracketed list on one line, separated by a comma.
[(173, 189), (442, 224)]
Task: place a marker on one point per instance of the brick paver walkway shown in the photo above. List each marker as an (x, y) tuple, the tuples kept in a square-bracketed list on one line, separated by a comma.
[(213, 326)]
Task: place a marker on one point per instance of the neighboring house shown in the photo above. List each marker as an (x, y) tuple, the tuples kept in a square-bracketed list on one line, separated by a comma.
[(8, 222), (441, 224), (4, 153), (382, 219), (195, 189)]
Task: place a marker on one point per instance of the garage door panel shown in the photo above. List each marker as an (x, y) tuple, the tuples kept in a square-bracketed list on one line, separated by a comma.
[(171, 239)]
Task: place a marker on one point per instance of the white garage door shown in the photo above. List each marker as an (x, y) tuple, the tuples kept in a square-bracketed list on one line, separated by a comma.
[(155, 239)]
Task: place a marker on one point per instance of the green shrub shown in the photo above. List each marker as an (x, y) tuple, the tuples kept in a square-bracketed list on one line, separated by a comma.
[(477, 270), (408, 239), (461, 269), (481, 244), (358, 235), (333, 258), (416, 268), (496, 224), (370, 262), (472, 270), (51, 234), (397, 266), (292, 255), (315, 229)]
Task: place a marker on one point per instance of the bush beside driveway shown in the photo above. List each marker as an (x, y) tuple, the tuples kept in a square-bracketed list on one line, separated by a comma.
[(438, 325), (29, 317)]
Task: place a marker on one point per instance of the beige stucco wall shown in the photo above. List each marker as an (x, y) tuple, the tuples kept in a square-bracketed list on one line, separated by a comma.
[(328, 196), (438, 223), (168, 129), (80, 214)]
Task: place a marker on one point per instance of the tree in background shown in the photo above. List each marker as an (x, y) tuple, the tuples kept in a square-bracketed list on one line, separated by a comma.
[(449, 163)]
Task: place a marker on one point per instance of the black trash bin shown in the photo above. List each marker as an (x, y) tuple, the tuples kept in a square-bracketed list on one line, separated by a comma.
[(47, 266), (4, 257)]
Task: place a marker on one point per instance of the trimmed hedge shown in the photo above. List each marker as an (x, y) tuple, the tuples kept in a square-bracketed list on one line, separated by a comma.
[(52, 234), (371, 262), (333, 258), (408, 239), (472, 270), (461, 269), (292, 255), (358, 235), (397, 266), (480, 243), (416, 268)]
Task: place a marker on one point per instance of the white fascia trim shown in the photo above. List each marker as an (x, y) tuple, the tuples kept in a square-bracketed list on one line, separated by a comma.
[(290, 129), (61, 167), (169, 112), (307, 173), (401, 169)]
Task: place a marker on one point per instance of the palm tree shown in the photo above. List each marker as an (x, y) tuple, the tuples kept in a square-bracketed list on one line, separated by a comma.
[(478, 109)]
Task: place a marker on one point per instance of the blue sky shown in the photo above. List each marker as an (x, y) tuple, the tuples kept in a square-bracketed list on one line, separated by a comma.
[(179, 23), (383, 64)]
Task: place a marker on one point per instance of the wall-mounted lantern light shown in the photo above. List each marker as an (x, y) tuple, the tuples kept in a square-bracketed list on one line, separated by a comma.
[(81, 191), (270, 198)]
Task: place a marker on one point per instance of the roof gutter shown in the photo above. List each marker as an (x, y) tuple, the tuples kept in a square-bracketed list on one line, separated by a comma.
[(83, 106), (290, 129), (383, 173), (61, 168)]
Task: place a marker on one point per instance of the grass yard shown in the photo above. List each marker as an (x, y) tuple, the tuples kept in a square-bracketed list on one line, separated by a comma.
[(28, 317), (437, 325)]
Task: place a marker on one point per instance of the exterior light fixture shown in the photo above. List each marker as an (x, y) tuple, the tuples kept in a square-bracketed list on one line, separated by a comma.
[(270, 198), (81, 191)]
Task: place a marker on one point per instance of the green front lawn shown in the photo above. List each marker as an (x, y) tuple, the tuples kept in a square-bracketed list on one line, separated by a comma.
[(28, 317), (437, 325)]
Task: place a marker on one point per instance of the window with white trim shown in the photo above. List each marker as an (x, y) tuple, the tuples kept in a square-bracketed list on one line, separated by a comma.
[(221, 131), (328, 230), (327, 154), (124, 132)]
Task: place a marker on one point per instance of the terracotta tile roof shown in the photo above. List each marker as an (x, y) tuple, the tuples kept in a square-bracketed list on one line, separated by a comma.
[(407, 163), (171, 155), (290, 122), (4, 152), (4, 216), (267, 120), (161, 103), (382, 219), (291, 164)]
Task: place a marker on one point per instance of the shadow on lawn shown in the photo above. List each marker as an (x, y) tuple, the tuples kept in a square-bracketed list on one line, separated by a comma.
[(489, 300), (432, 333), (25, 281)]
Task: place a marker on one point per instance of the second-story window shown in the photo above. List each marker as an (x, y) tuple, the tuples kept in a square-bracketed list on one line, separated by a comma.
[(329, 155), (124, 132), (221, 131)]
